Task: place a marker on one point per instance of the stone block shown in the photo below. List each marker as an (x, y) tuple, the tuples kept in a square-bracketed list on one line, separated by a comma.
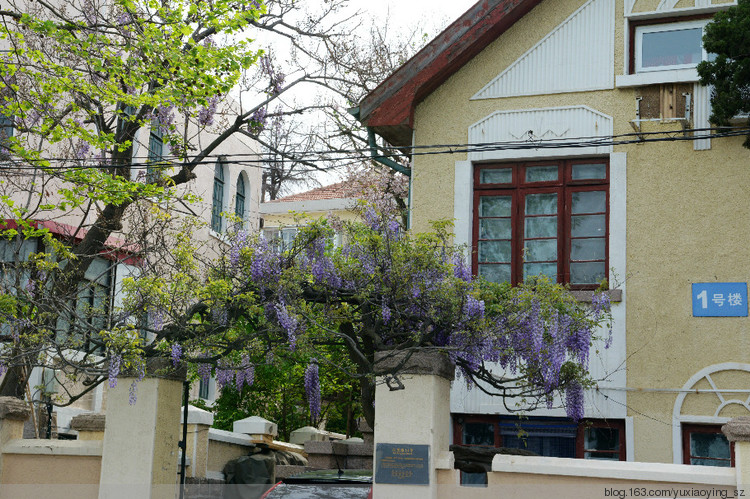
[(13, 408), (88, 422), (738, 429)]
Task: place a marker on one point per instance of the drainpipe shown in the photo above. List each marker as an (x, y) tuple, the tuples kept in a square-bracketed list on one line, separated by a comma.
[(379, 158), (374, 155)]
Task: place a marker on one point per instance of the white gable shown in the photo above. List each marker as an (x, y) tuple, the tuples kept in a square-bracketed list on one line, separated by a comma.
[(578, 55)]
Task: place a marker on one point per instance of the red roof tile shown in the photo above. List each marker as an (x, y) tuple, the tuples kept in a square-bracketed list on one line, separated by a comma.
[(340, 190)]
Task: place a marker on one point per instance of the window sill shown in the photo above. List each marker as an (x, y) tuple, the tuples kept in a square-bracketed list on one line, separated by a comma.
[(615, 295), (657, 77)]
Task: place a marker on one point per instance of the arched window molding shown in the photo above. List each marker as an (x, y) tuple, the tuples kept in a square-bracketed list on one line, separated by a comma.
[(738, 397)]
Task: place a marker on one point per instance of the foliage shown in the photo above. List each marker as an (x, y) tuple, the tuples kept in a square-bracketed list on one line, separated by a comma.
[(278, 394), (726, 37)]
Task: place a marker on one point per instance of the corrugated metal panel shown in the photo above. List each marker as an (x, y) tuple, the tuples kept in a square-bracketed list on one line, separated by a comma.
[(578, 55), (702, 111), (512, 134)]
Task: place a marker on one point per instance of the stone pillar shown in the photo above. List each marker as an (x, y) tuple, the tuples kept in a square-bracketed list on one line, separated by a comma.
[(13, 413), (199, 422), (89, 426), (738, 431), (140, 448), (412, 411)]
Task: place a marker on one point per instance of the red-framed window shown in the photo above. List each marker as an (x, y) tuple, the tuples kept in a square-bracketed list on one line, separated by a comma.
[(706, 445), (547, 218), (552, 437), (602, 439)]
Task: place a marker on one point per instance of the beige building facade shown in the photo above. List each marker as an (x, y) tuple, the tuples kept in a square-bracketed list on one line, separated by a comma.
[(587, 157)]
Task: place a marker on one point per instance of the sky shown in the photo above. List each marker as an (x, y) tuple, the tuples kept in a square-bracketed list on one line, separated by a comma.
[(434, 15)]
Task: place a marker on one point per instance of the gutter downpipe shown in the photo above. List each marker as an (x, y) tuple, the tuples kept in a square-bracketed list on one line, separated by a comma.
[(383, 160)]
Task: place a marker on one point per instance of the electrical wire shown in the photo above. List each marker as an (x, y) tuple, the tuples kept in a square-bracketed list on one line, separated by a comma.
[(266, 160)]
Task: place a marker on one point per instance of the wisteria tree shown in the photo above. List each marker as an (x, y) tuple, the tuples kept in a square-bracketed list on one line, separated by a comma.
[(83, 83), (387, 291)]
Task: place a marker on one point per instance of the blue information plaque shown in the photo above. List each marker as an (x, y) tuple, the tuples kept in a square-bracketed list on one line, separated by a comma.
[(720, 299), (402, 464)]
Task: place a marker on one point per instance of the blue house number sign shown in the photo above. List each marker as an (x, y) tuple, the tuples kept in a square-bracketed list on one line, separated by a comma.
[(720, 299)]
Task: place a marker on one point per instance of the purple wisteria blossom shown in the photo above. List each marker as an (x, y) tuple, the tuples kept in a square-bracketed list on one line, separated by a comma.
[(156, 318), (312, 388), (113, 369), (176, 354), (460, 269), (574, 401), (288, 322), (257, 121), (204, 371), (206, 114), (239, 242), (473, 308), (164, 116)]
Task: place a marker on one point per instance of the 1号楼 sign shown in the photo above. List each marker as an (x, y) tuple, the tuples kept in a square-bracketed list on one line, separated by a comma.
[(720, 299)]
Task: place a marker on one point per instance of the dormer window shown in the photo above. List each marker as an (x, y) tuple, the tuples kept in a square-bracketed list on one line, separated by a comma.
[(678, 45)]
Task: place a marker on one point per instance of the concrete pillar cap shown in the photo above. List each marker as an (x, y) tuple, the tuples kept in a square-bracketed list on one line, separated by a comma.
[(738, 429), (196, 415), (255, 425), (13, 408), (425, 362)]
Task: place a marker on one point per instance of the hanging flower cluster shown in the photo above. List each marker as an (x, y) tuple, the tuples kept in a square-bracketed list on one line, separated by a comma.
[(312, 388)]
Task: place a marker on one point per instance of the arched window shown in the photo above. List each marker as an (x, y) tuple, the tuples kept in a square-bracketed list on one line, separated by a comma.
[(218, 198), (239, 200)]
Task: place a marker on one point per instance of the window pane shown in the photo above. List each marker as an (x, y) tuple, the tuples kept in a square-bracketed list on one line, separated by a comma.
[(495, 206), (540, 227), (587, 225), (583, 172), (479, 434), (496, 176), (709, 445), (495, 273), (541, 204), (494, 251), (671, 48), (544, 250), (495, 228), (602, 439), (589, 202), (541, 173), (587, 249), (587, 273), (532, 269)]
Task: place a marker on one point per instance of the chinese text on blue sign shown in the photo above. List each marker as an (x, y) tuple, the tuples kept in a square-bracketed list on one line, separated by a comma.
[(720, 299)]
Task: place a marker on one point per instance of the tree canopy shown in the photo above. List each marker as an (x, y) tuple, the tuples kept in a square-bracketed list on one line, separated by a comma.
[(78, 84), (727, 38)]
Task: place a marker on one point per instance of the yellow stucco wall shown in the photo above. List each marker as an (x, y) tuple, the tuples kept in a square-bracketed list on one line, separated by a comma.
[(688, 221)]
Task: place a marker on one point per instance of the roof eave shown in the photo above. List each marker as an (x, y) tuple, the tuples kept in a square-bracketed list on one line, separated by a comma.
[(390, 107)]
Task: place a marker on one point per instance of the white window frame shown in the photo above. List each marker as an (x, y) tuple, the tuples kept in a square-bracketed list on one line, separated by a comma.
[(657, 28)]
